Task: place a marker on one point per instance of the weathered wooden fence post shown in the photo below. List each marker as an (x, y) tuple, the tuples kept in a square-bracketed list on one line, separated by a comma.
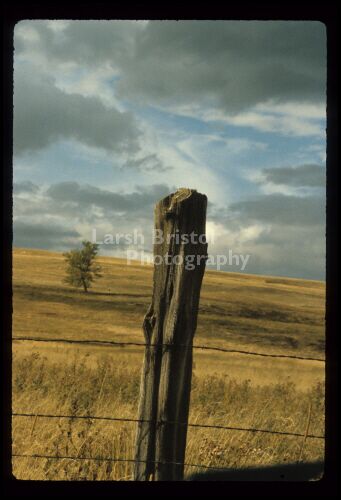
[(180, 253)]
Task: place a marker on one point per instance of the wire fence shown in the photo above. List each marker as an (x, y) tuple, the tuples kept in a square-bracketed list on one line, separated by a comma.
[(110, 459), (115, 343), (160, 422), (163, 422)]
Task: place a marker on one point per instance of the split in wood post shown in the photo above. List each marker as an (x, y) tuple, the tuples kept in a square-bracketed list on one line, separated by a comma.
[(169, 327)]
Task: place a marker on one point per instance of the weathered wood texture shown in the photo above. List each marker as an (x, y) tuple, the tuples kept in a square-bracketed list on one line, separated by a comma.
[(171, 319)]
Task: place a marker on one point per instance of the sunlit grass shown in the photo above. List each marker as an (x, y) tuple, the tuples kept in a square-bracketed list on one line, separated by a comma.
[(257, 313)]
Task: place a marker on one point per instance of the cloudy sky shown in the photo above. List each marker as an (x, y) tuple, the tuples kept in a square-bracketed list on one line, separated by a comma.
[(110, 116)]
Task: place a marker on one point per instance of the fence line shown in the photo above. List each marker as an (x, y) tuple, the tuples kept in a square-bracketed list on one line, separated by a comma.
[(115, 343), (161, 422), (109, 459)]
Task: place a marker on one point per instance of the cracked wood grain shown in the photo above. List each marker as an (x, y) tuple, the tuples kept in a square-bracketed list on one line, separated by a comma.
[(171, 319)]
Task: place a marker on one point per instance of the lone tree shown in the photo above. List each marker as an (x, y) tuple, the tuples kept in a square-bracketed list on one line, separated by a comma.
[(81, 267)]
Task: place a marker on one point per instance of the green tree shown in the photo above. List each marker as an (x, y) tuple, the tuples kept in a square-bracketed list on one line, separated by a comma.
[(81, 268)]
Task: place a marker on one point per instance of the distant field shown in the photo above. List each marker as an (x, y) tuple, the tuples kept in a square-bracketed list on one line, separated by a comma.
[(258, 313)]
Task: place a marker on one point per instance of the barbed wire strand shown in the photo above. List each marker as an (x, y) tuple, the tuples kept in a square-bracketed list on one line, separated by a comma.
[(136, 420), (109, 459), (141, 344)]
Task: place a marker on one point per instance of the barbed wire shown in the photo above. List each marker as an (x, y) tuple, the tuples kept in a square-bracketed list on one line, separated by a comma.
[(162, 422), (115, 343), (110, 459)]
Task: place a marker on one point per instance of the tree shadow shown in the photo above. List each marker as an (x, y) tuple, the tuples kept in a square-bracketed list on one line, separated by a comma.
[(113, 294), (77, 298)]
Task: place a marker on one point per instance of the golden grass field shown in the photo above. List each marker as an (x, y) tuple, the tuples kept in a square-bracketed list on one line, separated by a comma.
[(237, 311)]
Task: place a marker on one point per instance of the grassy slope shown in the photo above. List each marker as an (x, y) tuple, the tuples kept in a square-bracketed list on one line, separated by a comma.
[(278, 314), (258, 313)]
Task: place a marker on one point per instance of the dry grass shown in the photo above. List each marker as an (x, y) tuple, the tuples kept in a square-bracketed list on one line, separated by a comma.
[(239, 311)]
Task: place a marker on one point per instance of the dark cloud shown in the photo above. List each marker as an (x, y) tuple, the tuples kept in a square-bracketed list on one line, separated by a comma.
[(25, 187), (43, 235), (147, 163), (40, 219), (281, 209), (297, 251), (284, 235), (85, 206), (44, 114), (84, 42), (231, 64), (303, 175), (275, 248), (83, 196)]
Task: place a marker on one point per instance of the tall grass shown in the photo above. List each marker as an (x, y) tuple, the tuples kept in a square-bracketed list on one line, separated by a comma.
[(109, 386)]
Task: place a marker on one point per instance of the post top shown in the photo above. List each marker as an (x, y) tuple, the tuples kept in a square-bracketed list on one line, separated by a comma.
[(180, 195)]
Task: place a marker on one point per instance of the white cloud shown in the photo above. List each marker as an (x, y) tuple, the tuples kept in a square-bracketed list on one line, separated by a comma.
[(236, 238), (230, 146), (291, 119), (90, 82), (298, 109), (188, 169)]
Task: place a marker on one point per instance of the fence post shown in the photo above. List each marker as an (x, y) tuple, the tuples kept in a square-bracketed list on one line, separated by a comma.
[(180, 255)]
